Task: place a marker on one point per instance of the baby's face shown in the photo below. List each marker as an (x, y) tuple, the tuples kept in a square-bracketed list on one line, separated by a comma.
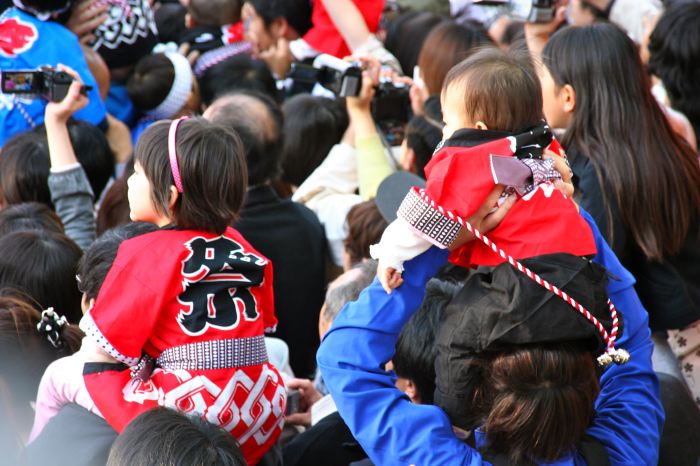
[(453, 112)]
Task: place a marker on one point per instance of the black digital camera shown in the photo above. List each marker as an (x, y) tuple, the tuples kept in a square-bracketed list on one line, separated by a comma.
[(342, 78), (45, 82)]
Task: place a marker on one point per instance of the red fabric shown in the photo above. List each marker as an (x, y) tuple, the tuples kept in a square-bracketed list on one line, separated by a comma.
[(323, 35), (172, 288), (544, 222)]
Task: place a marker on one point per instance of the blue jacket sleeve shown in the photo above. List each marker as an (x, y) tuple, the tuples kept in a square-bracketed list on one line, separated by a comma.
[(389, 427), (629, 417)]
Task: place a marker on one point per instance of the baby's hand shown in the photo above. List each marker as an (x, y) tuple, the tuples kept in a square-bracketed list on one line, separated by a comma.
[(389, 277)]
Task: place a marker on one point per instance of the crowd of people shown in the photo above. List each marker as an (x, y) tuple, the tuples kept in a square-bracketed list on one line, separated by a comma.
[(349, 232)]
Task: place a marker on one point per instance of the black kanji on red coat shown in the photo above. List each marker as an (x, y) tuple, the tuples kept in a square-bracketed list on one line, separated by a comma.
[(218, 276)]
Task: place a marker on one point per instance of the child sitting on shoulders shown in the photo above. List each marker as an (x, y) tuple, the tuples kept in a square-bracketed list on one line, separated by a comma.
[(180, 318), (494, 135)]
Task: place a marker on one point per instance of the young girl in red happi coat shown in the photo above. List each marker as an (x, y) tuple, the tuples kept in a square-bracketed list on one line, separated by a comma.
[(179, 320)]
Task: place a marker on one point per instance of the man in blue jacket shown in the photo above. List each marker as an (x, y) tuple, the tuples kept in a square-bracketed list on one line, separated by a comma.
[(628, 417)]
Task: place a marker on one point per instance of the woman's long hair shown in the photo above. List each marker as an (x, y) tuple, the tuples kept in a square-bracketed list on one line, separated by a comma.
[(639, 161)]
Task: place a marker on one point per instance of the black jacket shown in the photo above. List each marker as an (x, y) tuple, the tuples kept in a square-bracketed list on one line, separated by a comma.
[(290, 235)]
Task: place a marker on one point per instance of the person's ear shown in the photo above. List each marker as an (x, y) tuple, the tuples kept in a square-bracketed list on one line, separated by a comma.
[(189, 24), (412, 391), (568, 98), (481, 125), (174, 195)]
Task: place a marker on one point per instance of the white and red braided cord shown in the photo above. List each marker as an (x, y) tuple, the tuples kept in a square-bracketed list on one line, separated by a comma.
[(611, 353)]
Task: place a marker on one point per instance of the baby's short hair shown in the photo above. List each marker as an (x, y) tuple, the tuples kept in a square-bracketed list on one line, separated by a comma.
[(499, 88), (215, 12)]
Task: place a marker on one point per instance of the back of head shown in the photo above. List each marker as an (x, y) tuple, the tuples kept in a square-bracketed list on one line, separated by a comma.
[(499, 88), (42, 264), (414, 358), (312, 126), (296, 12), (29, 216), (347, 288), (99, 257), (215, 12), (448, 44), (674, 52), (24, 170), (423, 134), (151, 81), (44, 6), (365, 227), (94, 154), (162, 436), (406, 35), (617, 123), (537, 401), (239, 73), (258, 120), (212, 168), (170, 22)]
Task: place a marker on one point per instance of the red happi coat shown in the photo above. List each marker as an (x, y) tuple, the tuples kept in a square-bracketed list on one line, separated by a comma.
[(460, 177), (179, 287)]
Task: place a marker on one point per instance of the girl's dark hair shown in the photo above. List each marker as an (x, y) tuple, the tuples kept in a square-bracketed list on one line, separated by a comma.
[(448, 44), (99, 257), (43, 265), (164, 436), (365, 227), (674, 54), (312, 126), (499, 88), (652, 174), (114, 208), (26, 352), (212, 168), (29, 216), (537, 401), (150, 82)]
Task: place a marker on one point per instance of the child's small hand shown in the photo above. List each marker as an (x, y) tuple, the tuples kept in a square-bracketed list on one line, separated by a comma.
[(390, 278), (71, 103)]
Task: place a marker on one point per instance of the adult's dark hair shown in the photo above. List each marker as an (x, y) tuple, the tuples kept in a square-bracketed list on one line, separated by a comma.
[(258, 120), (114, 209), (296, 12), (365, 227), (99, 257), (406, 35), (674, 54), (423, 135), (25, 163), (45, 6), (536, 401), (415, 354), (239, 73), (312, 126), (42, 264), (24, 170), (499, 88), (212, 168), (93, 152), (642, 164), (448, 44), (29, 216), (150, 82), (215, 12), (164, 436)]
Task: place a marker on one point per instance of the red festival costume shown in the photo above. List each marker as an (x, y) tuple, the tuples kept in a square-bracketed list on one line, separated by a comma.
[(464, 171), (195, 305)]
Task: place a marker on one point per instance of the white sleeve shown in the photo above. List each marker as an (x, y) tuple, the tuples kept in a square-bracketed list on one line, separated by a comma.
[(398, 244)]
